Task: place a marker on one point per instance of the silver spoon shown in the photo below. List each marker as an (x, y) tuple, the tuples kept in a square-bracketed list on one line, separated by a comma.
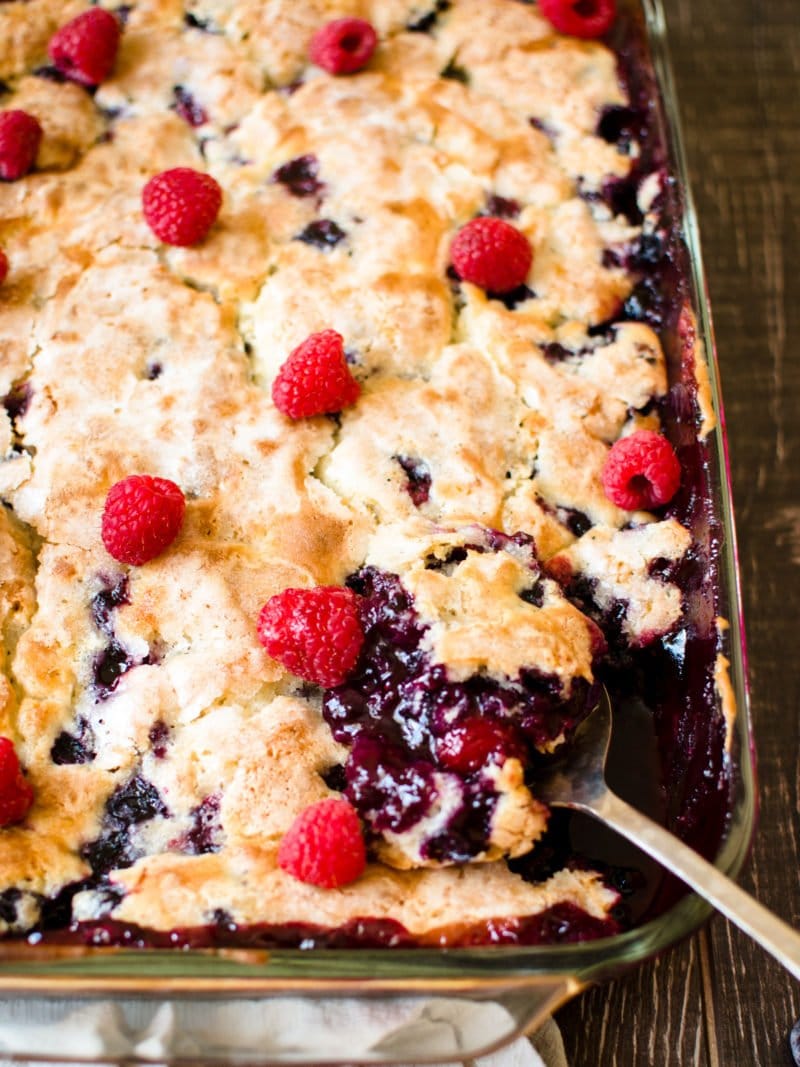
[(578, 782)]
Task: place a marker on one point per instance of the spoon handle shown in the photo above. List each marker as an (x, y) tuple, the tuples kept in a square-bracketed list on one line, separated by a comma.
[(772, 933)]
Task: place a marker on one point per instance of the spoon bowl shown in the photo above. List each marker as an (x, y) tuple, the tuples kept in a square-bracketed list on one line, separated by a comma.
[(578, 781)]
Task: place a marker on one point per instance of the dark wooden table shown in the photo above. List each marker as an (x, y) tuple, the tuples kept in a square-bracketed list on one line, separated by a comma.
[(718, 1000)]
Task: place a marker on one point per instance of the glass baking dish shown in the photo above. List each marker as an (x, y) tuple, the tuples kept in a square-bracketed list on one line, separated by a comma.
[(454, 1003)]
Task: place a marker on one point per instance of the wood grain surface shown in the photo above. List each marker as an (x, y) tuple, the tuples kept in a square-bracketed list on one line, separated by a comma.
[(718, 1000)]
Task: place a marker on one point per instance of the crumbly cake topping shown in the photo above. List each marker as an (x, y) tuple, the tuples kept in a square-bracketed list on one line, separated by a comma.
[(479, 622), (167, 751), (620, 565)]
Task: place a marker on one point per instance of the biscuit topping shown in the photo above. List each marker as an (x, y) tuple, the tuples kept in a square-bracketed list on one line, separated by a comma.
[(141, 518)]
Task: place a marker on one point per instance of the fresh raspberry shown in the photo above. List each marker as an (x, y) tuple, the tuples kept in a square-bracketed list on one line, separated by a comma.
[(315, 633), (3, 266), (580, 18), (141, 518), (491, 253), (343, 46), (641, 471), (315, 379), (20, 137), (181, 205), (324, 845), (16, 796), (85, 48), (476, 742)]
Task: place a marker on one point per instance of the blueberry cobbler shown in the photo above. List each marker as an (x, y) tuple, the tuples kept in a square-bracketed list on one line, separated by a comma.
[(342, 464)]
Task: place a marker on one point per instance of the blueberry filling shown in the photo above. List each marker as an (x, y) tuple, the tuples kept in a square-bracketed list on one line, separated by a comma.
[(468, 830), (187, 107), (382, 784), (17, 400), (650, 250), (205, 832), (564, 924), (687, 573), (108, 600), (110, 114), (135, 802), (50, 73), (158, 736), (621, 196), (426, 22), (501, 207), (300, 176), (222, 917), (9, 899), (56, 911), (418, 485), (108, 667), (662, 569), (60, 75), (292, 87), (111, 662), (445, 563), (323, 234), (556, 353), (560, 923), (74, 748), (514, 297), (542, 127), (645, 254), (610, 618), (519, 544), (399, 705), (455, 73), (534, 595), (335, 778), (112, 850), (622, 126), (646, 304), (575, 521), (604, 330), (509, 299), (204, 25), (107, 896)]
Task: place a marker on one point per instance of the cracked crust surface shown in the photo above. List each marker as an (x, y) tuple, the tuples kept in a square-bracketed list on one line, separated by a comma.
[(136, 358)]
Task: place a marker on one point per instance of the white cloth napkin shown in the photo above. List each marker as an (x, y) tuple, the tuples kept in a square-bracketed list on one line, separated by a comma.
[(288, 1028)]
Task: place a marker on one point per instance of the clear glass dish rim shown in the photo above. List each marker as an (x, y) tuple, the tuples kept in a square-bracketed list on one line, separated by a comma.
[(42, 969)]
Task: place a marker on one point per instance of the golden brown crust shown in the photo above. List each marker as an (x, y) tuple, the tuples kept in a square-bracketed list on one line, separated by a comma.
[(135, 357)]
